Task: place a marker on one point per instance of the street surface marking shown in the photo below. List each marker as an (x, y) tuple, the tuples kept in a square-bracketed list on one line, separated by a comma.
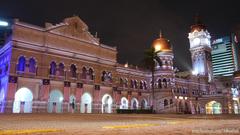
[(130, 126), (28, 131), (139, 125)]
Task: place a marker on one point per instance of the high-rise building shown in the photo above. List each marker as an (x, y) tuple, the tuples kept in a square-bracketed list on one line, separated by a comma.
[(236, 39), (225, 56)]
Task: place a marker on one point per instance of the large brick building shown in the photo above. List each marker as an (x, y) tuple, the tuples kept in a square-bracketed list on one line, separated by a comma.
[(63, 68)]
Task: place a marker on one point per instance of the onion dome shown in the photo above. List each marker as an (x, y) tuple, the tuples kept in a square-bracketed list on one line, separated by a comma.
[(198, 26), (161, 44)]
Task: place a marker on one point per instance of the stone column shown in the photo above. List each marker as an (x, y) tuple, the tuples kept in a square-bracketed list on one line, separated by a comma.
[(139, 100), (44, 95), (96, 106), (79, 92), (66, 92), (114, 98), (118, 98), (191, 107), (129, 97), (11, 90)]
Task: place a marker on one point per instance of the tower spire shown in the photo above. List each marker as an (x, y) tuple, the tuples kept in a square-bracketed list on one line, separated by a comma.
[(197, 19), (160, 34), (96, 35)]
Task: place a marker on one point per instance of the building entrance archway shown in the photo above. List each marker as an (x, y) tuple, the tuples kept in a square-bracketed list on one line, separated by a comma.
[(144, 104), (23, 101), (86, 103), (213, 107), (134, 103), (107, 104), (55, 101), (236, 107), (72, 104), (124, 103)]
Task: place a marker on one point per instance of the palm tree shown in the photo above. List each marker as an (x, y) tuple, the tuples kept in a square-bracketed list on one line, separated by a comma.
[(150, 61)]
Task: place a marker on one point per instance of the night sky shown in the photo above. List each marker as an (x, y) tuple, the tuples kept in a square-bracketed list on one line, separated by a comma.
[(132, 25)]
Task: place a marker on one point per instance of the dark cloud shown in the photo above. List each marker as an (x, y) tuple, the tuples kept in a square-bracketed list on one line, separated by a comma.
[(132, 25)]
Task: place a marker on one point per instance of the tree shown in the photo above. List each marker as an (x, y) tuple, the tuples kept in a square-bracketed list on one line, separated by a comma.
[(150, 61)]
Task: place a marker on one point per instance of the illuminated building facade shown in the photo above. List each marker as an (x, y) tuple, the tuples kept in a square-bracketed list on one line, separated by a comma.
[(63, 68)]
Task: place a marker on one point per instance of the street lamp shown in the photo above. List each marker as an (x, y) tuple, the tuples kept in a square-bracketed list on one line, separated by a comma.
[(3, 23)]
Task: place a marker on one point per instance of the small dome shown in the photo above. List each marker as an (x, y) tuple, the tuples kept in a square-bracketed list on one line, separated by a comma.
[(198, 27), (161, 44)]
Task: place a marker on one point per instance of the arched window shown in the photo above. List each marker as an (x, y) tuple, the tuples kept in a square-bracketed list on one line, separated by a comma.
[(177, 90), (21, 64), (32, 65), (90, 73), (126, 82), (171, 101), (141, 84), (135, 84), (151, 84), (180, 90), (61, 69), (73, 71), (104, 76), (184, 91), (145, 85), (53, 67), (165, 83), (166, 63), (131, 84), (84, 73), (109, 76), (169, 82), (121, 82), (165, 102), (159, 83)]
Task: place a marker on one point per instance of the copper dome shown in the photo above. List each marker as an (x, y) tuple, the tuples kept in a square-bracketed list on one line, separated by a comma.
[(161, 44)]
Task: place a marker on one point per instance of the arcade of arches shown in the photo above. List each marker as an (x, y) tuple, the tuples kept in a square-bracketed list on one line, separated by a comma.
[(23, 101), (24, 97)]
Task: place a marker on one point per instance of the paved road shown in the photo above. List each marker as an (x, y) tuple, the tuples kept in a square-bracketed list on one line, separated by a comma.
[(115, 124)]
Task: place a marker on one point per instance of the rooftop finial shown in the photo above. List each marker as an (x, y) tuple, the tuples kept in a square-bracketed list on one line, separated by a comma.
[(96, 35), (197, 19), (160, 34)]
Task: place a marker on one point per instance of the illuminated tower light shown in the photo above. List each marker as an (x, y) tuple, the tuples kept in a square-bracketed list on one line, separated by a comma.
[(3, 23)]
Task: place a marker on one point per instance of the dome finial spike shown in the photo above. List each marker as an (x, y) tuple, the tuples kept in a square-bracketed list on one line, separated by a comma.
[(197, 19), (96, 35), (160, 34)]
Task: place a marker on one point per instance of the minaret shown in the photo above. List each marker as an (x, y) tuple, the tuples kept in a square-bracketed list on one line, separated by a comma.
[(200, 48), (166, 56)]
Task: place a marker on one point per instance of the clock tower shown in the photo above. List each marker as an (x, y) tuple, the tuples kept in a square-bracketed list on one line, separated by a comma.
[(200, 48)]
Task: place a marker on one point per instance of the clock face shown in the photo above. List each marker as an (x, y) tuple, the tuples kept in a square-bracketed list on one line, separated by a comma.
[(196, 41)]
